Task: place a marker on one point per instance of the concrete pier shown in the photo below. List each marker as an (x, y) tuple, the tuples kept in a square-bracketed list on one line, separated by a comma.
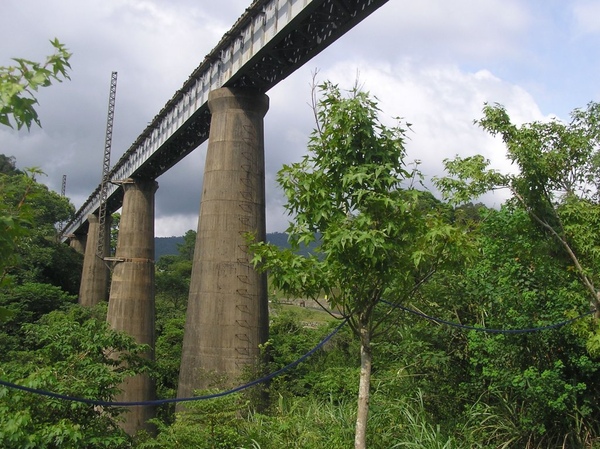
[(95, 273), (227, 315), (131, 303), (78, 242)]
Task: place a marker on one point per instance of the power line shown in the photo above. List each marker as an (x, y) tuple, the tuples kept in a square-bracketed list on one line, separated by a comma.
[(485, 329), (289, 366), (174, 400)]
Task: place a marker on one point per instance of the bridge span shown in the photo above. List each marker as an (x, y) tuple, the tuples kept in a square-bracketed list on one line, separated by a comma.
[(267, 43)]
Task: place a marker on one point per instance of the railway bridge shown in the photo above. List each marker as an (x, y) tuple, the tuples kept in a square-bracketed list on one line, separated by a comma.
[(223, 101)]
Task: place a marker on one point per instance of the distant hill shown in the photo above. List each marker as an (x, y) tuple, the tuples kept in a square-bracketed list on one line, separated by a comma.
[(164, 246), (281, 240), (168, 245)]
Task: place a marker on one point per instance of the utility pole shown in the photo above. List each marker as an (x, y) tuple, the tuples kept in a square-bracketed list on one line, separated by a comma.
[(106, 167)]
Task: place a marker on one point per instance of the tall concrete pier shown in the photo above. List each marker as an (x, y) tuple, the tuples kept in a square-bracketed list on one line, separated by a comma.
[(95, 274), (78, 242), (131, 303), (227, 315)]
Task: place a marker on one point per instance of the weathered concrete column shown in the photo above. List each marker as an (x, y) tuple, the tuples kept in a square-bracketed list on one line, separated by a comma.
[(131, 302), (77, 242), (95, 274), (227, 314)]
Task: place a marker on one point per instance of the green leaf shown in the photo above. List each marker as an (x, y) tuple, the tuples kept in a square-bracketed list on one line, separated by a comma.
[(18, 82)]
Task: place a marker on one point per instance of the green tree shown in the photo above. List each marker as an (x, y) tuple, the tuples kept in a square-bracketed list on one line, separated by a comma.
[(377, 241), (33, 211), (173, 273), (522, 281), (17, 100), (19, 83), (69, 353), (15, 220), (556, 184), (29, 302), (8, 165), (532, 389), (186, 249), (206, 424), (115, 221)]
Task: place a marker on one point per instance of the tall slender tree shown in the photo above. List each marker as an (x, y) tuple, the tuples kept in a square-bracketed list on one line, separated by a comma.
[(377, 239)]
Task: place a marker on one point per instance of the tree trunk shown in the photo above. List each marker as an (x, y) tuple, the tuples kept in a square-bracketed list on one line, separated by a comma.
[(364, 388)]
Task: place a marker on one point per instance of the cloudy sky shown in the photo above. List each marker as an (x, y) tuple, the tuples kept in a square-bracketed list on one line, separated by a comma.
[(433, 62)]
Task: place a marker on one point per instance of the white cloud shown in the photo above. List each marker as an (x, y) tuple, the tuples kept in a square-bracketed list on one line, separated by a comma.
[(441, 102), (433, 62), (442, 30), (175, 225), (586, 14)]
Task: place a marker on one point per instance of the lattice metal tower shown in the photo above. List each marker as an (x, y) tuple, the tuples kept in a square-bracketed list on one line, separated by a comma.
[(106, 167), (63, 191)]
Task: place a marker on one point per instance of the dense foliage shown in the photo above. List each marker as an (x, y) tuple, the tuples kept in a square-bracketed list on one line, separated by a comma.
[(433, 384), (380, 239), (47, 342), (33, 213), (68, 353), (533, 389)]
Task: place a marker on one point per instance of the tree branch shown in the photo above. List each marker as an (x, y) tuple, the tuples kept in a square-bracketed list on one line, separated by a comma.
[(595, 302)]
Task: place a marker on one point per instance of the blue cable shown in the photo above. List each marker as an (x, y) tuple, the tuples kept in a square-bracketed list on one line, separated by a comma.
[(173, 400), (287, 367), (484, 329)]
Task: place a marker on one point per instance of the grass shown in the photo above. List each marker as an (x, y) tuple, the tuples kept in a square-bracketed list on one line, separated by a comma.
[(310, 316)]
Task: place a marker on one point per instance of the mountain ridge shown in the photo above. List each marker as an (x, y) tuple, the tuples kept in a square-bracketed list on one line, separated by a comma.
[(164, 246)]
